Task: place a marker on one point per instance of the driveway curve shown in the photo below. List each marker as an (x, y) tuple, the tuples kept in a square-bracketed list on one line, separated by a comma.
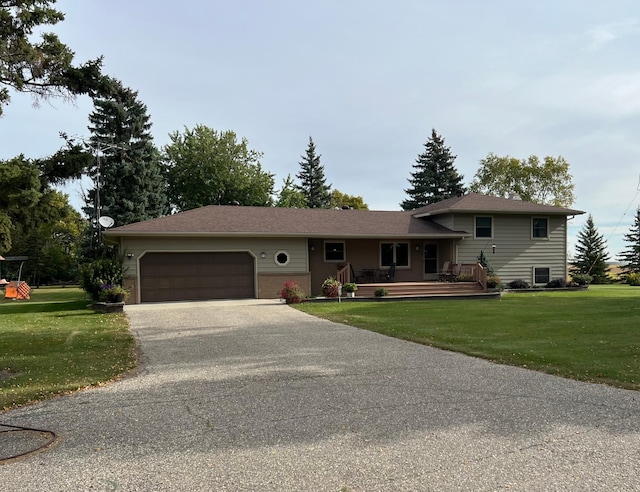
[(256, 396)]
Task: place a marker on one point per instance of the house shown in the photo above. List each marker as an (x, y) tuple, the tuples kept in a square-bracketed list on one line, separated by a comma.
[(218, 252)]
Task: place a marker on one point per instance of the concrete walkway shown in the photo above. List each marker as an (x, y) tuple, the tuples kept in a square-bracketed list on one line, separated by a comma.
[(255, 396)]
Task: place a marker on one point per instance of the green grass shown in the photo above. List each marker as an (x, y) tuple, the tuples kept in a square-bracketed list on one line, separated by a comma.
[(591, 335), (53, 344)]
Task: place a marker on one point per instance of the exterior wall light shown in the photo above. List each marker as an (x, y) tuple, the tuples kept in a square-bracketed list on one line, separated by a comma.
[(263, 255)]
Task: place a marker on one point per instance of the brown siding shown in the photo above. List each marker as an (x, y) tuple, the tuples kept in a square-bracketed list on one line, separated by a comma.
[(270, 284)]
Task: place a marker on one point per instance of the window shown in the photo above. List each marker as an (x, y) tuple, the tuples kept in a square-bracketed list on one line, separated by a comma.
[(484, 227), (541, 275), (539, 227), (397, 253), (334, 251), (281, 258)]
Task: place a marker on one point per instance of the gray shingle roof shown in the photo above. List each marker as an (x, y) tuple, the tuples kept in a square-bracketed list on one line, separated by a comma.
[(271, 221), (216, 220), (477, 203)]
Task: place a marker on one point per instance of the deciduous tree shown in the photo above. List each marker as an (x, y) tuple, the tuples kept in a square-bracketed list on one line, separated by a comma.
[(207, 167), (548, 182), (289, 196), (591, 254), (41, 67), (435, 177), (313, 184), (341, 200)]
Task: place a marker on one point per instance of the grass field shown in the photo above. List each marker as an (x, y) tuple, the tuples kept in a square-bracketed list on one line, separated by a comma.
[(591, 335), (54, 344)]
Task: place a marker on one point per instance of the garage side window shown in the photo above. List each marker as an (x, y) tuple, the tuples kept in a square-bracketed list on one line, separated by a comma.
[(334, 251)]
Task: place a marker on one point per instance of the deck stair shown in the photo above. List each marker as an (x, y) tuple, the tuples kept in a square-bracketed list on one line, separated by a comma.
[(420, 289)]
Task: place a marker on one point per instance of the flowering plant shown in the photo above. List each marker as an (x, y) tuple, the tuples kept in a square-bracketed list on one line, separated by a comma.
[(112, 293), (291, 293), (330, 287)]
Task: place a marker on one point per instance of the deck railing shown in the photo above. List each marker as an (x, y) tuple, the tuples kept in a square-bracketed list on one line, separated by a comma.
[(343, 275)]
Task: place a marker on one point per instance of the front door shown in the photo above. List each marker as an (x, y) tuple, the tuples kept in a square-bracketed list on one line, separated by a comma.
[(430, 260)]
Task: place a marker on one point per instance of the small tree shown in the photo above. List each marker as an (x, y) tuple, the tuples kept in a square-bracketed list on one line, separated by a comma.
[(482, 259), (631, 255), (591, 254), (313, 184), (434, 177), (340, 200), (289, 196)]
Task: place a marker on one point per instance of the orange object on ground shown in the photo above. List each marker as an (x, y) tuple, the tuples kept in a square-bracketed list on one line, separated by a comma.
[(17, 290)]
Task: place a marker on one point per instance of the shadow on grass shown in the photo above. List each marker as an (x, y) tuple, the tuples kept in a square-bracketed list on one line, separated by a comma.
[(24, 307)]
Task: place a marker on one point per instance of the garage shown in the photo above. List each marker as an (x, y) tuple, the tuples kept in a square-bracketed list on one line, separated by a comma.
[(196, 276)]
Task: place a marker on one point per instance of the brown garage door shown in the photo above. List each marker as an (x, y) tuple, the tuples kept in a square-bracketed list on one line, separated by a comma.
[(196, 276)]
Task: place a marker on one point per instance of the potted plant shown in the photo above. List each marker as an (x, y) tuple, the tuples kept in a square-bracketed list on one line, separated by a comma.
[(330, 287), (350, 288)]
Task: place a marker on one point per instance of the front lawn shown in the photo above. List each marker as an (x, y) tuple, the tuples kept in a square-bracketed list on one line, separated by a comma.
[(591, 335), (54, 344)]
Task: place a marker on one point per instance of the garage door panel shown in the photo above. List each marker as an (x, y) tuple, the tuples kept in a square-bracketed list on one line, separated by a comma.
[(196, 276)]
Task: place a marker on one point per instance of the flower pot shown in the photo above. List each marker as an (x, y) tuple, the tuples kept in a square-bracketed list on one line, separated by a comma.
[(351, 294)]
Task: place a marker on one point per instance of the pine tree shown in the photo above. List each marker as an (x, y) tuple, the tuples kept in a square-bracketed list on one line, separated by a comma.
[(591, 254), (631, 255), (313, 184), (435, 177), (131, 184)]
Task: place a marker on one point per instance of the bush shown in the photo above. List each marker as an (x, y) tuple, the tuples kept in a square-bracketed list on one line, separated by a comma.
[(465, 278), (557, 283), (94, 275), (581, 279), (518, 284), (112, 293), (381, 292), (494, 282), (633, 279), (291, 293), (330, 287)]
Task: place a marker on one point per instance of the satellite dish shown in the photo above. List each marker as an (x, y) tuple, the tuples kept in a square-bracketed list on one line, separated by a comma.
[(106, 221)]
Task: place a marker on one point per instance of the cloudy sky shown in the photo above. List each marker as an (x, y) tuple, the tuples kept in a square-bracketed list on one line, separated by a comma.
[(368, 80)]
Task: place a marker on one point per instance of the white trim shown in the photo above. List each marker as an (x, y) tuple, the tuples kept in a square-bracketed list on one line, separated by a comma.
[(475, 227), (543, 238), (281, 252)]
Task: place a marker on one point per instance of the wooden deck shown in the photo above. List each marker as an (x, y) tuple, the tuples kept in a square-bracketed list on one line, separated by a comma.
[(422, 289)]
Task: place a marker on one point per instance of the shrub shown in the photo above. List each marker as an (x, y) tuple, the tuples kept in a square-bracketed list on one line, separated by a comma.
[(98, 273), (494, 282), (557, 283), (291, 293), (581, 278), (633, 279), (330, 287), (519, 284), (381, 292), (465, 278), (112, 293)]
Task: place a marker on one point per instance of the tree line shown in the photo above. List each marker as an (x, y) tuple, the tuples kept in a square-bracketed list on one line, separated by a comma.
[(133, 180)]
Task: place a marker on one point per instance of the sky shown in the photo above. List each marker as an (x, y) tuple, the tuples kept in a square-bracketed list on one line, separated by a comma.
[(368, 80)]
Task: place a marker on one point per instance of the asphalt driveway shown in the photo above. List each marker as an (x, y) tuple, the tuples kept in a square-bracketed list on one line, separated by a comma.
[(257, 396)]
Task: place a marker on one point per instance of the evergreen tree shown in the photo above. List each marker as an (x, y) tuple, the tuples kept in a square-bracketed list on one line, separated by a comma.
[(434, 178), (132, 187), (591, 254), (631, 255), (313, 184)]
